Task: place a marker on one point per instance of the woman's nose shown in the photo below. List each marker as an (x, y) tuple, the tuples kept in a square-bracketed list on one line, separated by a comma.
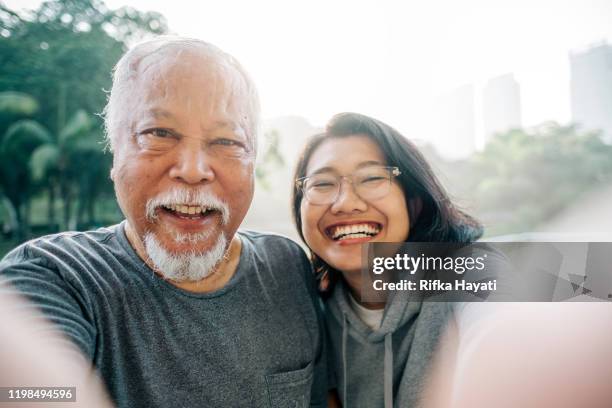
[(348, 201)]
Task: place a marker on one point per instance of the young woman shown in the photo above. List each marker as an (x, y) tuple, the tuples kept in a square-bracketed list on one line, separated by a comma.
[(362, 181)]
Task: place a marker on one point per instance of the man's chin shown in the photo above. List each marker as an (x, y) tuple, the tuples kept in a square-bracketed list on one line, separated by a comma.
[(188, 258), (179, 243)]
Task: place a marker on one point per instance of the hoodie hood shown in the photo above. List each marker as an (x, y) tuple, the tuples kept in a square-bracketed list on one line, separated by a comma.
[(383, 367), (398, 312)]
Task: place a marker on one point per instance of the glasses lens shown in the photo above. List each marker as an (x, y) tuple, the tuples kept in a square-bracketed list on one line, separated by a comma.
[(372, 183), (321, 189)]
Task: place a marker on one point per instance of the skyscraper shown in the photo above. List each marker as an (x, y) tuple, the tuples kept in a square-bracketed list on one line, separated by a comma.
[(591, 88), (454, 133), (501, 105)]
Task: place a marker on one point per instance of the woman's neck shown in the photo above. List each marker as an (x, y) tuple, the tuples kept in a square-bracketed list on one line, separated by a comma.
[(354, 280)]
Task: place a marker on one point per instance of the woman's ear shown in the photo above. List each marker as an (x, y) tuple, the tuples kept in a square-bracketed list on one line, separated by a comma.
[(415, 205)]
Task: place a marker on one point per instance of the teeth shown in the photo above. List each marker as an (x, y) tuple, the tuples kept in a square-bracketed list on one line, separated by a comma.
[(360, 235), (354, 231), (187, 209)]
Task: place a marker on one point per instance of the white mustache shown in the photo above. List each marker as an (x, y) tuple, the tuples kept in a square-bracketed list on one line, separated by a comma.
[(180, 196)]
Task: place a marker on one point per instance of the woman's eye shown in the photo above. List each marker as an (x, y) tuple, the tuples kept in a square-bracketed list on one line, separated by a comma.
[(323, 184), (371, 179)]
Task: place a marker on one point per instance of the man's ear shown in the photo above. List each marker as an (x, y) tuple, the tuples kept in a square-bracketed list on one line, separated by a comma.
[(415, 205), (112, 173)]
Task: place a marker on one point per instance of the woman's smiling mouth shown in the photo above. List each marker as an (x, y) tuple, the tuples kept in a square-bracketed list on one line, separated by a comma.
[(356, 230)]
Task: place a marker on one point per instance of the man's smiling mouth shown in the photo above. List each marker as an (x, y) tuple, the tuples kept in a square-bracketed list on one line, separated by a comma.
[(352, 231), (188, 211)]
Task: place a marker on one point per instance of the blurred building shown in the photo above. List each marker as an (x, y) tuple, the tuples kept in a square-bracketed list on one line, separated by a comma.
[(591, 88), (501, 105), (454, 130)]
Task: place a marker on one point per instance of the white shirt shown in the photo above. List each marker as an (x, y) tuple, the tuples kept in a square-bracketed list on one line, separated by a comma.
[(371, 317)]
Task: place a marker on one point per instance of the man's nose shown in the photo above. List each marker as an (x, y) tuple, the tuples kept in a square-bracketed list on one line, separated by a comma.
[(348, 201), (192, 165)]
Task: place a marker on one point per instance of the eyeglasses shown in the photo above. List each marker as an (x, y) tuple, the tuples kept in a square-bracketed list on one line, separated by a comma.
[(370, 183)]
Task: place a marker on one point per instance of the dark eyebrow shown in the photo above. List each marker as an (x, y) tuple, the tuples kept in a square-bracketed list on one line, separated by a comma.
[(369, 163), (328, 169), (323, 170)]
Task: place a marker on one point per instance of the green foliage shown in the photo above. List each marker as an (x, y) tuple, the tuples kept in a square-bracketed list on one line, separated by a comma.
[(22, 138), (55, 65), (524, 177), (271, 159), (43, 162), (63, 53), (17, 104), (78, 126)]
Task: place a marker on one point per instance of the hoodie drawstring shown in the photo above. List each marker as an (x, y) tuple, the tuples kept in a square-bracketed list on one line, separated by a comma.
[(388, 374), (344, 361)]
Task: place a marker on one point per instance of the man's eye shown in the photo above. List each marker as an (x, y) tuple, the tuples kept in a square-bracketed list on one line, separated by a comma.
[(162, 133), (226, 142)]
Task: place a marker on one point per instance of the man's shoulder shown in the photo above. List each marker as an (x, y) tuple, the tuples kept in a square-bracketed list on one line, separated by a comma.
[(269, 241), (276, 251), (63, 244)]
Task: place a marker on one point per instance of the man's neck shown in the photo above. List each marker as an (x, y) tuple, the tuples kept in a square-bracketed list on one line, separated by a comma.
[(215, 281)]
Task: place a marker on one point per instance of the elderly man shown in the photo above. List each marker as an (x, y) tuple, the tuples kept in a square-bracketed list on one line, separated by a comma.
[(173, 306)]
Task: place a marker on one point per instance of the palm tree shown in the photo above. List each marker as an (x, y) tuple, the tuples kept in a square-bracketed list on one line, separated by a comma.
[(18, 137), (71, 166)]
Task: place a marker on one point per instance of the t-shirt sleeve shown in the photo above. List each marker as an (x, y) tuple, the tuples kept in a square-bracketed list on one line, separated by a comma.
[(60, 301)]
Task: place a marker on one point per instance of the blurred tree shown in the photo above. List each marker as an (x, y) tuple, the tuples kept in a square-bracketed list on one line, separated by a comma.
[(524, 177), (14, 108), (73, 164), (17, 144), (60, 55), (271, 159)]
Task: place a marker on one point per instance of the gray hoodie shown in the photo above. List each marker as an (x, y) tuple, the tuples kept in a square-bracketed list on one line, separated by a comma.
[(386, 367)]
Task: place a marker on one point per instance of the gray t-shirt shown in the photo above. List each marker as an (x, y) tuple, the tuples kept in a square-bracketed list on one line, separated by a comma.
[(257, 342)]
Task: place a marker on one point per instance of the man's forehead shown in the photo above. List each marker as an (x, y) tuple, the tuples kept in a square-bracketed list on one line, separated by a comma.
[(160, 113), (188, 64), (195, 81)]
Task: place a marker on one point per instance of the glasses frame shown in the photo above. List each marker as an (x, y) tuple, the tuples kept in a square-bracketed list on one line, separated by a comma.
[(394, 172)]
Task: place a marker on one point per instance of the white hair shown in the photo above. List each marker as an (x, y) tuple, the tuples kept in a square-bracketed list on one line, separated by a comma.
[(190, 266), (127, 70), (183, 196)]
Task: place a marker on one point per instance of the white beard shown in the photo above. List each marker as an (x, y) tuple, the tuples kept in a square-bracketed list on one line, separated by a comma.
[(190, 266)]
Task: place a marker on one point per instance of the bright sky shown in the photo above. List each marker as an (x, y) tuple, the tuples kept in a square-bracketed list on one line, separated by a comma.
[(392, 59)]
